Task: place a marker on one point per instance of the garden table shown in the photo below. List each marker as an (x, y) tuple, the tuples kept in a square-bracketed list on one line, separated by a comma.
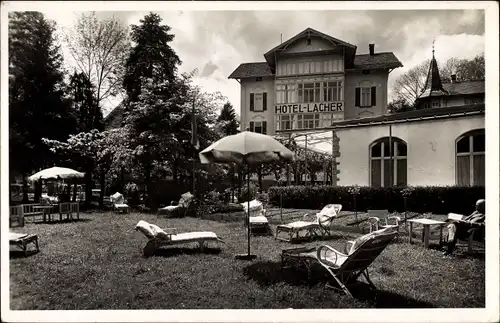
[(426, 223), (46, 209)]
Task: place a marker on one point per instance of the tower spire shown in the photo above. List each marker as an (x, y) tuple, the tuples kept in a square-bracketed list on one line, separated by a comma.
[(433, 85)]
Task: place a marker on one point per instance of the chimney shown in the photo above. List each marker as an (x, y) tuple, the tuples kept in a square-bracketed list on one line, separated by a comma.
[(372, 49), (453, 78)]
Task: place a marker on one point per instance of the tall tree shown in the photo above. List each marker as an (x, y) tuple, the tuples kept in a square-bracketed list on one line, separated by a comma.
[(464, 69), (85, 107), (36, 90), (410, 85), (99, 48), (227, 121), (151, 57)]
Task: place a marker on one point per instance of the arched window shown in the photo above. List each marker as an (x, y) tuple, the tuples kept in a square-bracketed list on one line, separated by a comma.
[(388, 166), (470, 164)]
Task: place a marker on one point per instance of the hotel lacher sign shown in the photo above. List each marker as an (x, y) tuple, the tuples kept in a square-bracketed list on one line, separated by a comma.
[(329, 107)]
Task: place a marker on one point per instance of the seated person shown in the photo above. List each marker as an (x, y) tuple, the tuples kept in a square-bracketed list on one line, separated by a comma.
[(462, 229)]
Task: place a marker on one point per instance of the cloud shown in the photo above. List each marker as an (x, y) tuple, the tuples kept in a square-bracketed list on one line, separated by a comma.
[(216, 42), (208, 69)]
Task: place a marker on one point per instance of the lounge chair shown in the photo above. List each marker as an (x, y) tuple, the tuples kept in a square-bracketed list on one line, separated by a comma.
[(22, 240), (343, 267), (181, 208), (119, 204), (257, 218), (158, 238), (321, 226)]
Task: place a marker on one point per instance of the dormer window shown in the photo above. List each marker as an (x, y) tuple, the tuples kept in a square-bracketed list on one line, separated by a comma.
[(366, 72), (308, 41)]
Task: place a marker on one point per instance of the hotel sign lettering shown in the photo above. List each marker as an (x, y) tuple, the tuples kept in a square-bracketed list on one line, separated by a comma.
[(309, 108)]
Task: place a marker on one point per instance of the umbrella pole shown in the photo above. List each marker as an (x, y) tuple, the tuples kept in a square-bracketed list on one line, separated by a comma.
[(248, 256)]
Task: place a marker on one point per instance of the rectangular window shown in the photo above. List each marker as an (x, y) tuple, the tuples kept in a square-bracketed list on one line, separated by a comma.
[(257, 101), (286, 93), (332, 91), (306, 68), (436, 104), (259, 126), (463, 170), (301, 68), (376, 172), (309, 92), (308, 121), (401, 172), (479, 165), (284, 122), (365, 97), (317, 67)]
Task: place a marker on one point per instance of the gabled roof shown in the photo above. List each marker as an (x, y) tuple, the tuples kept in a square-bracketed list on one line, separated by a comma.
[(458, 88), (375, 61), (246, 70), (269, 56)]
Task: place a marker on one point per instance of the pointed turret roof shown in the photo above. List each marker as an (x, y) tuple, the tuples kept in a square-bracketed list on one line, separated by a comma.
[(433, 85)]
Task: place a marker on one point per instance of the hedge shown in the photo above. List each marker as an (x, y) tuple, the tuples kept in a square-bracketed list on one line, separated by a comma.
[(435, 199)]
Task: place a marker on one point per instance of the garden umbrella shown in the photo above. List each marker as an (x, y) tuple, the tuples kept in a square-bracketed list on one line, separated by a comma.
[(248, 148), (56, 173)]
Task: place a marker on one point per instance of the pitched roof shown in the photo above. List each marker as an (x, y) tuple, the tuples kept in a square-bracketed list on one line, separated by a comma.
[(416, 115), (350, 49), (375, 61), (459, 88), (246, 70), (433, 85)]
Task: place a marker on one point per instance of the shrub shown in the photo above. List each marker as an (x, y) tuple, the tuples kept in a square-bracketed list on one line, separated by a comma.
[(435, 199), (132, 194), (246, 195)]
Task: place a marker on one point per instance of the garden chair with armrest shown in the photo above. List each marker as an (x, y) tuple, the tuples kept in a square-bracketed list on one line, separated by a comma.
[(475, 234), (119, 203), (345, 267), (375, 217)]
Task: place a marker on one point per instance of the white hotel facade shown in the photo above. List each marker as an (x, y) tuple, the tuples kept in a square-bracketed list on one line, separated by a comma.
[(318, 85)]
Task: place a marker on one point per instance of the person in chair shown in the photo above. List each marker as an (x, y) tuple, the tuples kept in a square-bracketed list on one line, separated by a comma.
[(462, 229)]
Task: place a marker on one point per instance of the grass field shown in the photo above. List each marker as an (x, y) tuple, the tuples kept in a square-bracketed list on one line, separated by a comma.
[(97, 263)]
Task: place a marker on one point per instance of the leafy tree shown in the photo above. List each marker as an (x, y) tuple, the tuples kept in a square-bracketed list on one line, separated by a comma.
[(227, 122), (399, 105), (99, 48), (410, 85), (85, 106), (464, 69), (36, 93), (151, 57)]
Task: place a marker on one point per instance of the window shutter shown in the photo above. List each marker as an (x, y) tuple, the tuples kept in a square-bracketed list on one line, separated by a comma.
[(357, 99), (374, 96), (251, 126), (264, 127), (251, 102), (264, 101)]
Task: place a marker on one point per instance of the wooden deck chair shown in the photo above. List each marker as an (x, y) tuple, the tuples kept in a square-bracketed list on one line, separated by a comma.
[(158, 237), (22, 240), (382, 219), (180, 209), (69, 209), (119, 204), (345, 268), (320, 226)]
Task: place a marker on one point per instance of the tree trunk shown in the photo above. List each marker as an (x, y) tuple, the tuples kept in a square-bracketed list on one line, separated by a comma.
[(102, 181), (259, 175), (38, 190), (88, 186), (74, 191), (25, 189)]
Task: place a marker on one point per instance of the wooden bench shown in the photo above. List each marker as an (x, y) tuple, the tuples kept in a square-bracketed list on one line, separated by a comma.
[(28, 210)]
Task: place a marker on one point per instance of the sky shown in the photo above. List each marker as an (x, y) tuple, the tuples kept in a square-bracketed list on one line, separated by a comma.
[(217, 42)]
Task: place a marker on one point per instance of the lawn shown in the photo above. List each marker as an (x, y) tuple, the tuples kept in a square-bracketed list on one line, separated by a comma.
[(97, 263)]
